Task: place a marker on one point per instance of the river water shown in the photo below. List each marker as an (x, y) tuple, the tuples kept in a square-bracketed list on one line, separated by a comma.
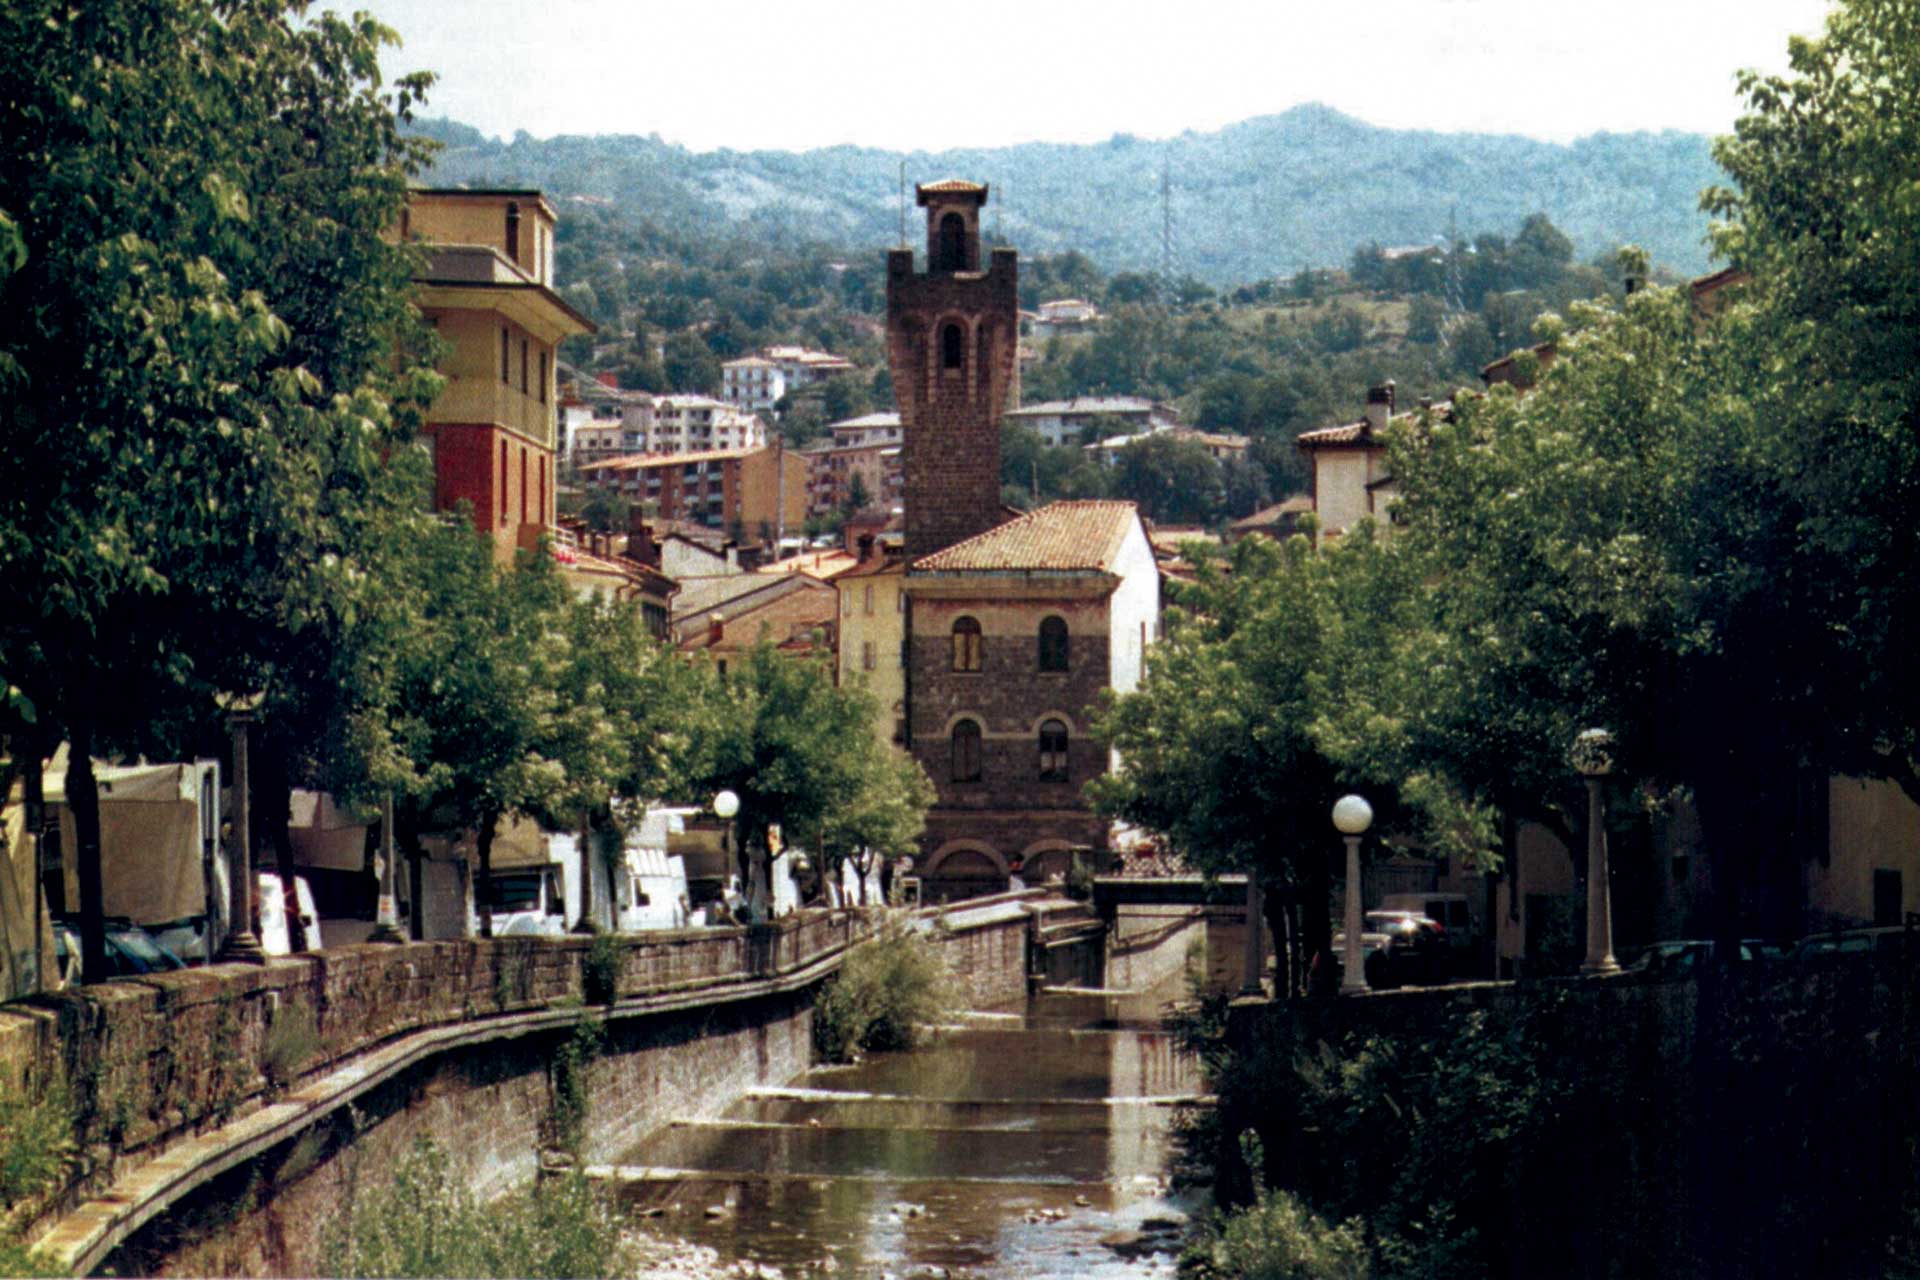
[(1022, 1143)]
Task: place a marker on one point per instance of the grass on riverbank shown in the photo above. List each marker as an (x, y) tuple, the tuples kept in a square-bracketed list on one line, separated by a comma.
[(423, 1221)]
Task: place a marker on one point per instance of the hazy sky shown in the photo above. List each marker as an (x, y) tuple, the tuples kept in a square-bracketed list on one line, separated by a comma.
[(903, 75)]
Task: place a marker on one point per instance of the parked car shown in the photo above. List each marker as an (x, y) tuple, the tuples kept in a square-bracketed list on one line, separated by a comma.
[(1452, 911), (1689, 954), (131, 951), (1882, 939), (1396, 948)]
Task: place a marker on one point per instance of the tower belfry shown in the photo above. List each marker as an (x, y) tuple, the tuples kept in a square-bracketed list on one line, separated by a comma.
[(952, 343)]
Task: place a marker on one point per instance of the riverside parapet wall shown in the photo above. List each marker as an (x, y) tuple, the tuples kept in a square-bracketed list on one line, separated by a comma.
[(266, 1089)]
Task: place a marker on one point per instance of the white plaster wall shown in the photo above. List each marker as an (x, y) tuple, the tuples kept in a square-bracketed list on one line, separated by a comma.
[(1135, 605)]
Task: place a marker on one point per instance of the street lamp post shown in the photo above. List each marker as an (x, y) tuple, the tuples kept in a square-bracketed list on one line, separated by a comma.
[(1352, 815), (1592, 756), (242, 943), (725, 805), (1250, 979), (386, 924)]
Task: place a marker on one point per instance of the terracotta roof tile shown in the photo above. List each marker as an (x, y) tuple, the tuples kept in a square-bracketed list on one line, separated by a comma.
[(1351, 433), (1061, 536), (952, 185)]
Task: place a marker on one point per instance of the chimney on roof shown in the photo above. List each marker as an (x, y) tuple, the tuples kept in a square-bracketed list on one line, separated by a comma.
[(866, 547), (716, 628), (1379, 405)]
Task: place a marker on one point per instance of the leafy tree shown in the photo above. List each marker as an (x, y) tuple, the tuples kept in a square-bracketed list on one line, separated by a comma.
[(843, 397), (690, 365), (1217, 746), (607, 511), (783, 737), (886, 815), (198, 321), (1174, 481)]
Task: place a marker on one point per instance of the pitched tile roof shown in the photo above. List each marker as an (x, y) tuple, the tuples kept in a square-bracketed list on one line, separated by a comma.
[(958, 186), (1351, 433), (1061, 536)]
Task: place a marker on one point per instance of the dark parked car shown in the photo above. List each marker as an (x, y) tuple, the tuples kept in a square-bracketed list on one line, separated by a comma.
[(131, 951), (1687, 955), (1397, 948)]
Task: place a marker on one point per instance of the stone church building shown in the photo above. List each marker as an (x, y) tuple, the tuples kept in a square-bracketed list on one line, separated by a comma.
[(1010, 624)]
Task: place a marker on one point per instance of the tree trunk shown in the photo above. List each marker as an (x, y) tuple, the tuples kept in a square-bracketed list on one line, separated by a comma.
[(1316, 927), (83, 797), (586, 924), (272, 815), (36, 819), (484, 842)]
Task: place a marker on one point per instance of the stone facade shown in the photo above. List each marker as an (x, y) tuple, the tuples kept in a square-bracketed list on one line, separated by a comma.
[(952, 335)]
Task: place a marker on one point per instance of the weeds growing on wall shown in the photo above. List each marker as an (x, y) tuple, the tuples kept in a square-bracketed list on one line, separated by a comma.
[(423, 1221), (888, 987), (290, 1043), (568, 1079), (36, 1143), (600, 969)]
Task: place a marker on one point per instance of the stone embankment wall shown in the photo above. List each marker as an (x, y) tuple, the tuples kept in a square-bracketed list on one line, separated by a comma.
[(227, 1112), (178, 1077), (1151, 945)]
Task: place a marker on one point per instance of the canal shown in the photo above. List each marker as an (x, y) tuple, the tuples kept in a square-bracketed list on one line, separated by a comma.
[(1027, 1142)]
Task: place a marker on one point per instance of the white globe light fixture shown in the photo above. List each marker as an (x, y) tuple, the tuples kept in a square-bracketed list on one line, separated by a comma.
[(1352, 815), (726, 804)]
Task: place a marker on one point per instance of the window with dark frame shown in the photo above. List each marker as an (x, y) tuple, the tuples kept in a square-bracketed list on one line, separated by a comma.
[(1053, 751), (966, 645), (1053, 644), (952, 347), (966, 751)]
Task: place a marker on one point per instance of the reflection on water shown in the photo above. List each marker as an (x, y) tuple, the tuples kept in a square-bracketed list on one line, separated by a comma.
[(1008, 1147)]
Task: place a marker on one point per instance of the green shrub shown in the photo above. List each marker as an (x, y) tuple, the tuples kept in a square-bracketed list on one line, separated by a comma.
[(36, 1140), (424, 1222), (888, 987), (600, 970), (291, 1041), (1278, 1238)]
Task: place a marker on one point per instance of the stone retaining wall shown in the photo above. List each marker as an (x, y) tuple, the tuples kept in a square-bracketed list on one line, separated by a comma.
[(1150, 944), (157, 1060)]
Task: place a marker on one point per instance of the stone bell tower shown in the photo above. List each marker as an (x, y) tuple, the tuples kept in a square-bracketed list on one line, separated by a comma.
[(953, 334)]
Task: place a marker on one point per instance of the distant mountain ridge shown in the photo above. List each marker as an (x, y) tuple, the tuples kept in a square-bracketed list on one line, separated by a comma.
[(1264, 197)]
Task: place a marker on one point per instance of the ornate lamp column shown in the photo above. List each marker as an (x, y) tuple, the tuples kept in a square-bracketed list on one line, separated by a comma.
[(386, 922), (1250, 981), (242, 943), (1352, 815), (1592, 756)]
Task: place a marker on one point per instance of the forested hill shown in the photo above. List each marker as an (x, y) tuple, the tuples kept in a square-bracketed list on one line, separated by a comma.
[(1257, 199)]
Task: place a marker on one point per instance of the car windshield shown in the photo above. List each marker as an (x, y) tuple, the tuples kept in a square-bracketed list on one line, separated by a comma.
[(140, 946)]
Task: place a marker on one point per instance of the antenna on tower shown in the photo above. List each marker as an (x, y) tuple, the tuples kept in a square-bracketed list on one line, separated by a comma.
[(1166, 223), (903, 202)]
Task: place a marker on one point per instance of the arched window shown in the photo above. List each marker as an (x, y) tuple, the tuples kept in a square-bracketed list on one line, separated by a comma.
[(513, 230), (953, 349), (966, 751), (1053, 644), (966, 645), (953, 243), (1053, 751)]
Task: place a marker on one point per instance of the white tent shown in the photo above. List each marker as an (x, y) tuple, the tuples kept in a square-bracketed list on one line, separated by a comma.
[(151, 833)]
